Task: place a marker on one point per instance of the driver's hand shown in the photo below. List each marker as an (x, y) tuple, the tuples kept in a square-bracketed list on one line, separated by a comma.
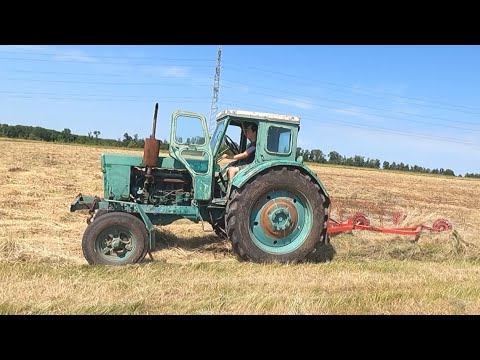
[(225, 156)]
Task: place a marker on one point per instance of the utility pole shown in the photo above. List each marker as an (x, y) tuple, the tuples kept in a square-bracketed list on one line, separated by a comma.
[(216, 88)]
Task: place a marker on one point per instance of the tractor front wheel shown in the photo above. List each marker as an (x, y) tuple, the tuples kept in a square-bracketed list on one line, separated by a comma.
[(278, 216), (115, 238)]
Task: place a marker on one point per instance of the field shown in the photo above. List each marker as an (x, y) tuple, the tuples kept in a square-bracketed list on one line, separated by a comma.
[(42, 269)]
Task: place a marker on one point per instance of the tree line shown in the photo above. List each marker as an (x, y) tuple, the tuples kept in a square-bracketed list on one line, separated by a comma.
[(66, 136), (315, 155)]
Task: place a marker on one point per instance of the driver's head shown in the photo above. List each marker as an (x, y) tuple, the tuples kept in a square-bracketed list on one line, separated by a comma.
[(250, 130)]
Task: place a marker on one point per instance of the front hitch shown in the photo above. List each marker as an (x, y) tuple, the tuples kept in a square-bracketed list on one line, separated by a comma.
[(84, 203)]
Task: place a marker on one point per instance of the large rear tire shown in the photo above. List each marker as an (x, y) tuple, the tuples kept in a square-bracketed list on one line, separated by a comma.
[(115, 238), (278, 216)]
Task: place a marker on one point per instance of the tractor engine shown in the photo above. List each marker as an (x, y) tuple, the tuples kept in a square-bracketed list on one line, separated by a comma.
[(160, 186), (151, 185)]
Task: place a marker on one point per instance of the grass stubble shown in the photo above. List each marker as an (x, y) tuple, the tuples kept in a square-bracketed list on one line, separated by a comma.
[(42, 269)]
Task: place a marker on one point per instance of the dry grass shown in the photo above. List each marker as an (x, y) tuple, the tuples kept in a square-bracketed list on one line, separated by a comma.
[(421, 198), (43, 270)]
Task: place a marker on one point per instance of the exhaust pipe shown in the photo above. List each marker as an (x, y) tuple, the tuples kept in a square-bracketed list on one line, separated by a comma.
[(151, 150)]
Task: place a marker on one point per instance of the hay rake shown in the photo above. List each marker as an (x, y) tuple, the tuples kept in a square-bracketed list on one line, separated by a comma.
[(359, 221)]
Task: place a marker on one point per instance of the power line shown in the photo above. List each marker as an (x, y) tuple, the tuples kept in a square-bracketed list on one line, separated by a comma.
[(372, 114), (216, 86), (353, 104), (93, 74), (198, 100), (400, 97), (102, 82), (111, 97), (67, 53), (92, 95), (243, 68), (93, 62), (365, 127)]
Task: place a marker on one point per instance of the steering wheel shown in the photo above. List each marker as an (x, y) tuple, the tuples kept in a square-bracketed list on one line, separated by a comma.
[(232, 145), (223, 180)]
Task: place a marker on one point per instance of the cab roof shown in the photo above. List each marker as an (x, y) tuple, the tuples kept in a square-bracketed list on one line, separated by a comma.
[(258, 116)]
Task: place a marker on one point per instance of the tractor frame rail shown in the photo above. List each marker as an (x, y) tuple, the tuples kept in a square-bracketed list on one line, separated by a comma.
[(360, 222)]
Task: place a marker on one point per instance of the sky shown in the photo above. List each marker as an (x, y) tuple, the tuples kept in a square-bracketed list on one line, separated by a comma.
[(417, 104)]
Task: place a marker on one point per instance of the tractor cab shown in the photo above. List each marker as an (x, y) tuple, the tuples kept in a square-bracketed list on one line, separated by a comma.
[(276, 134), (276, 141)]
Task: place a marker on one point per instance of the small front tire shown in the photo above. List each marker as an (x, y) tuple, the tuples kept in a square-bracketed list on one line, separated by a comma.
[(115, 238)]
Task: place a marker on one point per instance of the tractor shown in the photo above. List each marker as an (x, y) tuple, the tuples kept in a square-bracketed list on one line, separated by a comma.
[(275, 209)]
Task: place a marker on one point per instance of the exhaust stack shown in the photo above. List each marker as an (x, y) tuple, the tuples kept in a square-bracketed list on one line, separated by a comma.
[(151, 149)]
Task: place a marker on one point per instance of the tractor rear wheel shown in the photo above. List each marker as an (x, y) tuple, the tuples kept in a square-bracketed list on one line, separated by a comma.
[(115, 238), (278, 216)]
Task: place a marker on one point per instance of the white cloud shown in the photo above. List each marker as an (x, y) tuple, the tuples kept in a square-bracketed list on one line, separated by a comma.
[(358, 113), (176, 71), (57, 52), (73, 55), (244, 89), (23, 47), (346, 111), (167, 71), (302, 104)]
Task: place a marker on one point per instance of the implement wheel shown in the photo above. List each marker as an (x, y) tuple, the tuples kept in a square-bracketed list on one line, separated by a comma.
[(442, 225), (360, 219), (278, 216), (115, 238)]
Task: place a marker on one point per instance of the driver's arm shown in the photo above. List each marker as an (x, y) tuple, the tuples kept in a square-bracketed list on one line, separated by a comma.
[(240, 156)]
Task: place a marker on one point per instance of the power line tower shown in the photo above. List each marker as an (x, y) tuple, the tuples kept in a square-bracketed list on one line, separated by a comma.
[(216, 88)]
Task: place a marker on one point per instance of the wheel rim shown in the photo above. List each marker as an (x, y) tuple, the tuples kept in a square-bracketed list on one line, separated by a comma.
[(280, 221), (115, 243)]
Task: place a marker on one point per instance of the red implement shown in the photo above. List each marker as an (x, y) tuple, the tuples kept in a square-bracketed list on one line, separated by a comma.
[(360, 222)]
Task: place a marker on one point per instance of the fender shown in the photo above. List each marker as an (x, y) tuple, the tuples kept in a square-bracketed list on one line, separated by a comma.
[(247, 173)]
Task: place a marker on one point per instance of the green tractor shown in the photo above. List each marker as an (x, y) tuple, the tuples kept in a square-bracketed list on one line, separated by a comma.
[(274, 209)]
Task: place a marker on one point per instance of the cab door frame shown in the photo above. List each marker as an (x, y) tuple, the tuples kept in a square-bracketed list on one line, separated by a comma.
[(178, 149)]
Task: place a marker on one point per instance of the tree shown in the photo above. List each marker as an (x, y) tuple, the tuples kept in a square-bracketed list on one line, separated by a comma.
[(358, 161), (126, 139), (66, 135), (334, 157), (317, 156), (373, 163)]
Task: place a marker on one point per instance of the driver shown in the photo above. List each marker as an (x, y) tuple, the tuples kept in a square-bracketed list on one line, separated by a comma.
[(246, 157)]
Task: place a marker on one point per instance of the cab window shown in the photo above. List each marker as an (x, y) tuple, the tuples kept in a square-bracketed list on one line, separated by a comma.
[(279, 140)]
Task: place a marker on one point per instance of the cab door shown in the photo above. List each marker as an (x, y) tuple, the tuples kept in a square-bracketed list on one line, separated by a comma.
[(190, 144)]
